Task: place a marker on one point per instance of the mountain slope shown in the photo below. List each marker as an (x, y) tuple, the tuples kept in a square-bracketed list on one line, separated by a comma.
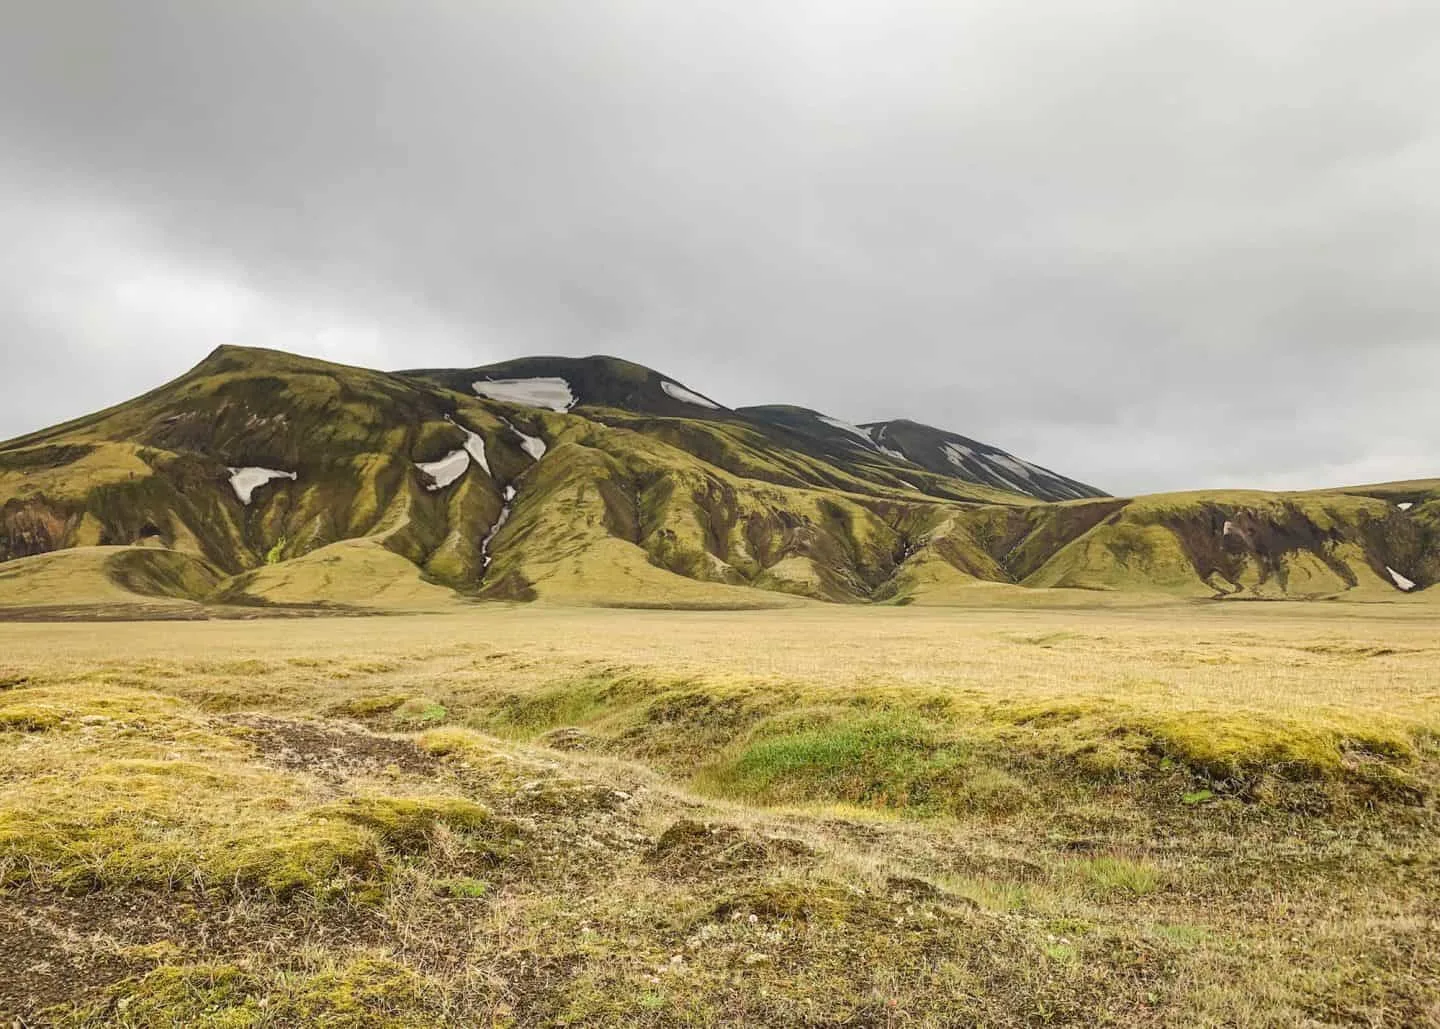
[(788, 446), (250, 458), (261, 478), (948, 453), (563, 383)]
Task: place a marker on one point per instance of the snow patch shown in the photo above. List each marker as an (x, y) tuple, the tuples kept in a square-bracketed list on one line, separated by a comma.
[(997, 468), (1407, 505), (543, 391), (475, 447), (532, 445), (957, 454), (1403, 583), (684, 395), (450, 467), (877, 434), (853, 430), (474, 444), (244, 480), (446, 470), (1016, 466), (1006, 469)]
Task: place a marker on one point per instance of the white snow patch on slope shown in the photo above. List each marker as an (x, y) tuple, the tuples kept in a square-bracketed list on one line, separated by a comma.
[(877, 434), (474, 444), (957, 455), (450, 467), (544, 391), (244, 480), (1001, 466), (680, 393), (475, 447), (532, 445), (1400, 580), (1007, 472), (446, 470), (1407, 505), (1016, 466), (853, 430)]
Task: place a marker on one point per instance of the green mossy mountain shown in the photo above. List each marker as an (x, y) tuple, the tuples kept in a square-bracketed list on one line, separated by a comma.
[(263, 478)]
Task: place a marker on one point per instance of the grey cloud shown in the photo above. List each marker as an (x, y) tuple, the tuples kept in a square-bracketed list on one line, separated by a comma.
[(1150, 244)]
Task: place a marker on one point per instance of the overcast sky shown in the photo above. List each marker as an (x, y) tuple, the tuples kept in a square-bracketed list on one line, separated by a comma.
[(1152, 244)]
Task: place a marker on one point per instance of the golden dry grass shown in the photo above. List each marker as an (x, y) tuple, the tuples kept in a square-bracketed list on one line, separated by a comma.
[(1195, 814), (1284, 659)]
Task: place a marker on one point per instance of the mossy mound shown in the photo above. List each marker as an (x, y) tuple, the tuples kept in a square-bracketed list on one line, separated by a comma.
[(365, 992), (130, 788)]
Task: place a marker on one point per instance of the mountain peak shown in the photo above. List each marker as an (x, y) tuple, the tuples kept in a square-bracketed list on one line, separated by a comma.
[(949, 453), (599, 380)]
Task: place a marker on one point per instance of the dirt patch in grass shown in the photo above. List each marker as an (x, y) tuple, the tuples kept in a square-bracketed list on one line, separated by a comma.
[(43, 969), (332, 751), (692, 850), (59, 949), (570, 739)]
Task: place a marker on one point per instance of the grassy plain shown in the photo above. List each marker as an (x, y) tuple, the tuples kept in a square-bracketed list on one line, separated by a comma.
[(1162, 814)]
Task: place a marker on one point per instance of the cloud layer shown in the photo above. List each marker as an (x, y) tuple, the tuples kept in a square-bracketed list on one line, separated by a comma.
[(1151, 244)]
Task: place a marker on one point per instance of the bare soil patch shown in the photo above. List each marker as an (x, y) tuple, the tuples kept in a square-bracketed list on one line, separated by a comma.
[(330, 750)]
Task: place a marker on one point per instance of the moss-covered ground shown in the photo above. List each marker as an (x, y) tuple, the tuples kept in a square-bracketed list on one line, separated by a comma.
[(1186, 814)]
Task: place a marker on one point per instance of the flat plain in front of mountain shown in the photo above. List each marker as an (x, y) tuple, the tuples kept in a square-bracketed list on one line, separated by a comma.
[(1170, 814)]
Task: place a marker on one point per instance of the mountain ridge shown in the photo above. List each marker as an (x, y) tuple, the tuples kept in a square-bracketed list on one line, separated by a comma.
[(277, 480)]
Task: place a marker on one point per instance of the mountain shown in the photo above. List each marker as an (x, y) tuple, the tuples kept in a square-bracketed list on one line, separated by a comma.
[(801, 447), (948, 453), (561, 383), (262, 479)]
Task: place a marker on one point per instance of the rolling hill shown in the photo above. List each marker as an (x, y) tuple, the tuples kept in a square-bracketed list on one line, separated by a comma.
[(260, 479)]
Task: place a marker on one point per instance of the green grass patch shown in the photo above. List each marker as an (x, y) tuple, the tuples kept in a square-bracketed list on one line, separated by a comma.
[(882, 760), (1111, 874), (463, 888), (421, 711), (370, 707)]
